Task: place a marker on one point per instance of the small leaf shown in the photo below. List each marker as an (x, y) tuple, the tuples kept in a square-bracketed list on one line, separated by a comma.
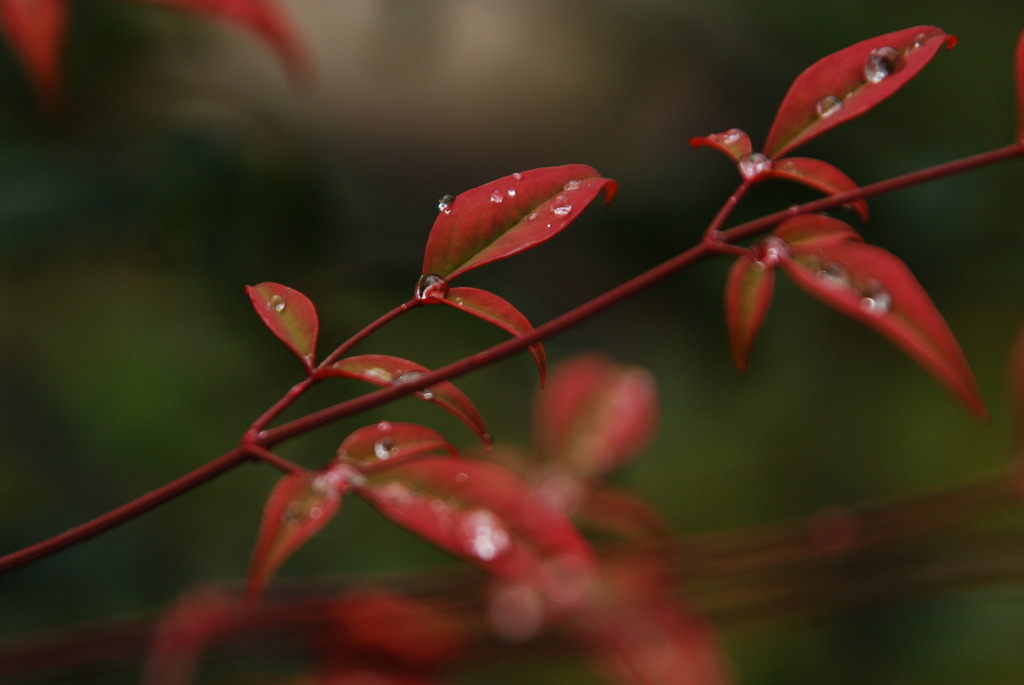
[(874, 287), (850, 82), (734, 143), (35, 29), (262, 17), (289, 315), (507, 216), (748, 293), (384, 370), (595, 414), (386, 443), (819, 175), (494, 310), (299, 506), (478, 511)]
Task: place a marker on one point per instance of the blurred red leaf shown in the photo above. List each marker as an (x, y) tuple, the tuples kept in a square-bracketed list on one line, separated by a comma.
[(748, 293), (386, 443), (850, 82), (289, 315), (478, 511), (819, 175), (734, 143), (874, 287), (507, 216), (35, 29), (1020, 87), (595, 414), (384, 370)]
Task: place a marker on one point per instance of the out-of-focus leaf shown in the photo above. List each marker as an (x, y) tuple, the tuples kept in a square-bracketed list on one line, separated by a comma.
[(478, 511), (748, 293), (494, 310), (595, 414), (850, 82), (507, 216), (382, 369), (873, 286), (819, 175), (299, 506), (289, 315), (388, 443), (1020, 87), (178, 640), (262, 17), (35, 29), (734, 143)]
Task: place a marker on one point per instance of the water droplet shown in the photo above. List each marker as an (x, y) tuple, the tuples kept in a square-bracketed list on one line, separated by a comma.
[(483, 535), (385, 448), (444, 203), (278, 304), (827, 106), (731, 136), (384, 427), (753, 165), (511, 192), (461, 477), (880, 64), (293, 513), (771, 251), (315, 513), (409, 377), (517, 176), (561, 205), (430, 286), (533, 216), (834, 274), (571, 186), (875, 298), (919, 40), (497, 196), (380, 374)]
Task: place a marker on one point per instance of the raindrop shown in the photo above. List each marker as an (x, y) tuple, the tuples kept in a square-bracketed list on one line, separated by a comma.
[(771, 251), (753, 165), (444, 203), (875, 299), (834, 274), (292, 514), (497, 196), (461, 477), (827, 106), (731, 136), (430, 286), (511, 192), (315, 513), (483, 535), (571, 186), (561, 205), (385, 448), (533, 216), (278, 304), (880, 64), (409, 377), (920, 39), (517, 176), (384, 427)]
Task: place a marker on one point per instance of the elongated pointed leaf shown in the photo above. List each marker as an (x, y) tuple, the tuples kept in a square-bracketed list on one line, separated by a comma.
[(748, 293), (262, 17), (850, 82), (388, 443), (734, 143), (507, 216), (478, 511), (289, 315), (873, 286), (1020, 87), (299, 506), (819, 175), (35, 30), (494, 310), (382, 369)]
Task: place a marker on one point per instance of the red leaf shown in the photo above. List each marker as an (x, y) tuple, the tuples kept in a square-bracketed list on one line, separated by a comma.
[(478, 511), (262, 17), (748, 293), (596, 414), (384, 370), (807, 231), (35, 30), (734, 143), (507, 216), (850, 82), (1020, 87), (289, 315), (298, 507), (385, 444), (494, 310), (873, 286), (819, 175)]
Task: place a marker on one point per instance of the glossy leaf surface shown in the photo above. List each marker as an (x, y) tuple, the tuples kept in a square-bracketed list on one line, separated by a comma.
[(874, 287), (595, 414), (748, 293), (819, 175), (383, 370), (478, 511), (733, 143), (35, 30), (850, 82), (497, 311), (507, 216), (289, 315), (387, 443)]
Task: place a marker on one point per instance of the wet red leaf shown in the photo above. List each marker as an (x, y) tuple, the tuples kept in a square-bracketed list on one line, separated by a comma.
[(508, 216), (850, 82), (289, 315), (35, 29), (734, 143), (387, 443), (748, 293), (819, 175)]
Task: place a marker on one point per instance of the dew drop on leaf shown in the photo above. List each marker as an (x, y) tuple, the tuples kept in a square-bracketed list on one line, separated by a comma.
[(571, 186), (533, 216), (497, 196), (444, 203), (409, 377), (511, 192), (384, 448), (278, 303), (561, 205), (430, 285), (753, 165), (771, 251), (517, 176), (731, 136), (834, 274), (827, 106), (875, 298), (881, 63), (483, 535)]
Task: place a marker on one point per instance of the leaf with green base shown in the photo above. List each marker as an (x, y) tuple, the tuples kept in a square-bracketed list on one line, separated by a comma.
[(290, 316)]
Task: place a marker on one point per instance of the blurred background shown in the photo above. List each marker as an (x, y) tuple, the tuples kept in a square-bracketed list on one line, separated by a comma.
[(186, 164)]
